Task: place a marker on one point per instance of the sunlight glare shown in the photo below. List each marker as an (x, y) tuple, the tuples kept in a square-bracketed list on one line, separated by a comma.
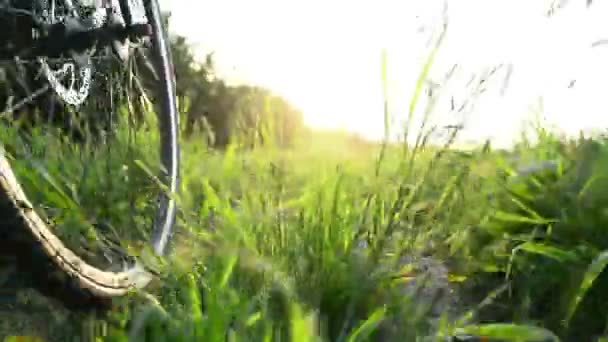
[(325, 57)]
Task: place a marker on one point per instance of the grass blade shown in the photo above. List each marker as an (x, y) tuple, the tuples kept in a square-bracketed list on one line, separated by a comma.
[(509, 332), (368, 326), (593, 271), (549, 251)]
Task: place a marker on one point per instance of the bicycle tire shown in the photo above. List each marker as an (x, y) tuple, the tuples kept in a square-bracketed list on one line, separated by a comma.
[(93, 281)]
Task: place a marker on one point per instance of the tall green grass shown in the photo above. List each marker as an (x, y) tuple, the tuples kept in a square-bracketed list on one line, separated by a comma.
[(316, 242), (268, 243), (268, 246)]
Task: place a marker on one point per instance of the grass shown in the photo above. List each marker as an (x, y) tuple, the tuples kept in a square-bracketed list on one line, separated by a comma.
[(327, 240), (72, 184), (268, 245)]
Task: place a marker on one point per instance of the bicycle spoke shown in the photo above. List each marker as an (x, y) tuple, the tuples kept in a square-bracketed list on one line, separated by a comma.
[(30, 98), (76, 157), (148, 64), (27, 100)]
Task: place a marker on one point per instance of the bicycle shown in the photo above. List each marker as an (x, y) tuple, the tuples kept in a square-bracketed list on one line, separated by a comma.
[(70, 49)]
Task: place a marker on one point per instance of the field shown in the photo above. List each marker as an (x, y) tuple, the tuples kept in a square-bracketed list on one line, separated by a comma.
[(326, 237), (328, 241)]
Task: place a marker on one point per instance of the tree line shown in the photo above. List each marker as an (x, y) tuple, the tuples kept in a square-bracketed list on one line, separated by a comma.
[(209, 107), (246, 114)]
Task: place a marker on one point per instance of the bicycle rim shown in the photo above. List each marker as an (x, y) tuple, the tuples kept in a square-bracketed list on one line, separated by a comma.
[(109, 279)]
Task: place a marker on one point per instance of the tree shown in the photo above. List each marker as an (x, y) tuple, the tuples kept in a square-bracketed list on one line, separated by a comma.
[(251, 115)]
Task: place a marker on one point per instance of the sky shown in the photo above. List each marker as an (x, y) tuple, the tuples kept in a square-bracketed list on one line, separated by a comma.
[(325, 56)]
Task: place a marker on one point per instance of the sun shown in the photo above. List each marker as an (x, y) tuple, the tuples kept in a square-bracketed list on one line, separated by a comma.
[(325, 57)]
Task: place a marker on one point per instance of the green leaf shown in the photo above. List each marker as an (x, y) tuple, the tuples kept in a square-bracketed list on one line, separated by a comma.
[(424, 74), (367, 327), (253, 319), (593, 271), (300, 325), (548, 250), (232, 260), (527, 209), (543, 249), (509, 332), (510, 217), (194, 299)]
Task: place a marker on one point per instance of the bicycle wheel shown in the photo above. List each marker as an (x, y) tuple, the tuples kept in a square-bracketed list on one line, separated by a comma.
[(90, 160)]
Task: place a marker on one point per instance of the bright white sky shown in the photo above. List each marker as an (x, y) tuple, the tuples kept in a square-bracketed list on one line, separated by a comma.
[(325, 57)]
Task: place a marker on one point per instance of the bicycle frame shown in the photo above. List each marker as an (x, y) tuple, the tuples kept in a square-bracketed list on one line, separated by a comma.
[(119, 20), (134, 12)]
